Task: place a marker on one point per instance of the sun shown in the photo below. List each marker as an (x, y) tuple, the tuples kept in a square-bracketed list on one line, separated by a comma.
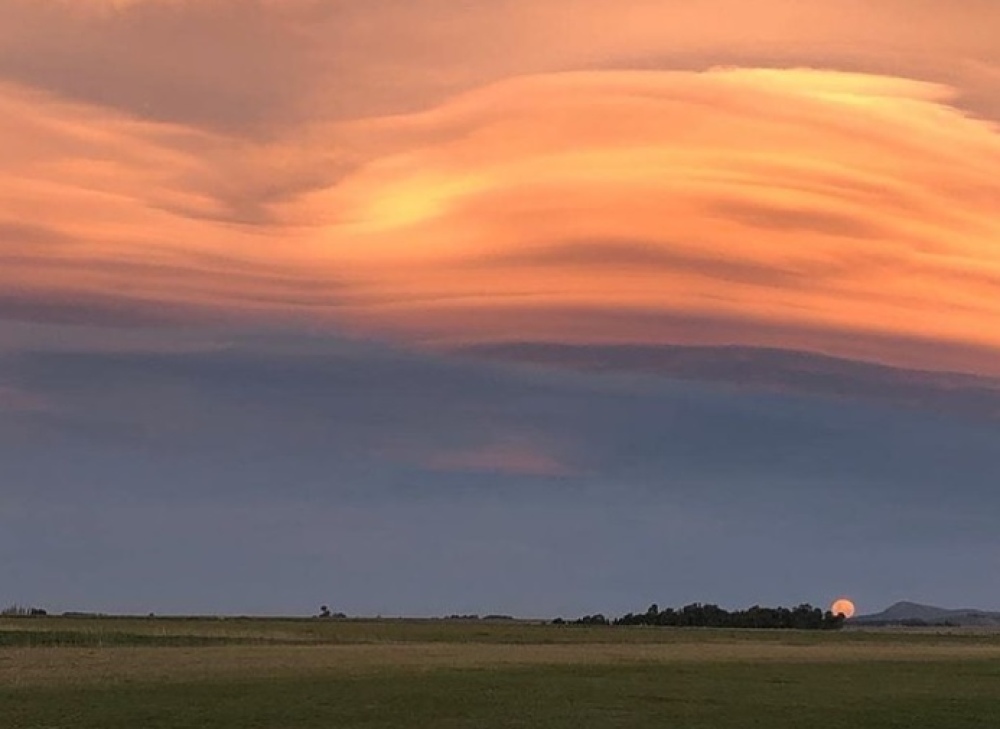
[(843, 606)]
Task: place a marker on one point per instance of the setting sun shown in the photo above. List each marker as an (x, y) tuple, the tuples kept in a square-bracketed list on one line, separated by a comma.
[(844, 607)]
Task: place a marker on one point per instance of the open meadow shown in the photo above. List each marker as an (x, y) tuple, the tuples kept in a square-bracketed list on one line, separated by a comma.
[(162, 673)]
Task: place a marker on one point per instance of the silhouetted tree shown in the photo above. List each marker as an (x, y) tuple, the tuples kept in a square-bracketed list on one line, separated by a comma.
[(698, 615)]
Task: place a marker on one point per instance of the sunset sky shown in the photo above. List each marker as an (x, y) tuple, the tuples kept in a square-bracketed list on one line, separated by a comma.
[(525, 306)]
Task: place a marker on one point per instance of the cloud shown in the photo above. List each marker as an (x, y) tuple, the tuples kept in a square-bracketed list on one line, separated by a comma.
[(281, 451), (798, 201), (844, 214), (105, 218), (13, 399), (564, 182), (254, 418), (511, 458), (226, 65), (255, 67), (422, 173), (771, 370), (616, 255)]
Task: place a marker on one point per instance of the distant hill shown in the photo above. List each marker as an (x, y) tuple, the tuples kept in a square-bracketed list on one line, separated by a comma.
[(914, 614)]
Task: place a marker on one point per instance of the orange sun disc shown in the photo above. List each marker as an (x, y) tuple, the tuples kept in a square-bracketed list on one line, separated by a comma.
[(844, 607)]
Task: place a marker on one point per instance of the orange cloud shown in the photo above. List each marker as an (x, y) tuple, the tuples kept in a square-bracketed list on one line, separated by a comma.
[(848, 214), (797, 208), (257, 65), (512, 458), (107, 218)]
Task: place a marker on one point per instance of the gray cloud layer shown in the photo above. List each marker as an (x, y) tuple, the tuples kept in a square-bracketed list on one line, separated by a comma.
[(770, 369), (318, 466)]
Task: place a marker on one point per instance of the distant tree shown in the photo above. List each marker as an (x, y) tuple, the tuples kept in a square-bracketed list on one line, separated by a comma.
[(20, 611), (698, 615), (324, 611)]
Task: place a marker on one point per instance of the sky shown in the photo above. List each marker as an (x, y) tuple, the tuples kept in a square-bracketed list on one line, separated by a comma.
[(534, 307)]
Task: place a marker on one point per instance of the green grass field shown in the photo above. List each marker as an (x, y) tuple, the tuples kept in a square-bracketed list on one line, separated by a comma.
[(59, 673)]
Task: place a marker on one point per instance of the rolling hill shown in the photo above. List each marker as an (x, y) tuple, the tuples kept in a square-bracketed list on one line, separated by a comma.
[(911, 613)]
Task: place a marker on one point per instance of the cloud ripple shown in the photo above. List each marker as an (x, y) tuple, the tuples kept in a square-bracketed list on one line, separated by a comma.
[(810, 210)]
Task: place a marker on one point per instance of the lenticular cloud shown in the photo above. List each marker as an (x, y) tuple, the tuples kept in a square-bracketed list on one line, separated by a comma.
[(848, 214), (845, 213)]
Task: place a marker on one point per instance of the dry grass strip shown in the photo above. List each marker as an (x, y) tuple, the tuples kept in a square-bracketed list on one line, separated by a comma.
[(24, 667)]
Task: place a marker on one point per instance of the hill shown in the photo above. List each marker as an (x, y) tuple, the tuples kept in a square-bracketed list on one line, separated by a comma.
[(911, 613)]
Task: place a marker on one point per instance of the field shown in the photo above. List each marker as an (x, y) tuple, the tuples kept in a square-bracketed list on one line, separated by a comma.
[(82, 673)]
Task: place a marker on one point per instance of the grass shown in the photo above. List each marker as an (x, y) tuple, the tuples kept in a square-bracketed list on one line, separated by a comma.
[(174, 674), (99, 639), (144, 631), (717, 695)]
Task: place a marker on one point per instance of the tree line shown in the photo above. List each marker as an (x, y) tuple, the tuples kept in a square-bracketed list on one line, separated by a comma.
[(698, 615), (22, 611)]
